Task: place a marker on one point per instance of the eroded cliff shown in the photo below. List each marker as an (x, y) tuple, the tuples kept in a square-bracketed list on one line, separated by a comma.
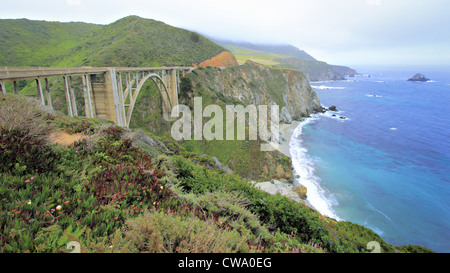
[(257, 84), (223, 59), (250, 84)]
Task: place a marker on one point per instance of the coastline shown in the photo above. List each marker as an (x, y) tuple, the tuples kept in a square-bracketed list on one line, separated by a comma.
[(286, 132), (303, 170), (286, 188)]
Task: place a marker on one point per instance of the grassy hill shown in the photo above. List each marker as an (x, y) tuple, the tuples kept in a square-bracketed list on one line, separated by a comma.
[(243, 54), (131, 41), (286, 56), (38, 43)]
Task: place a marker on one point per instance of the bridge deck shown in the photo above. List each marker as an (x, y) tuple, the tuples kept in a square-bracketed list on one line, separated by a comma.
[(24, 73)]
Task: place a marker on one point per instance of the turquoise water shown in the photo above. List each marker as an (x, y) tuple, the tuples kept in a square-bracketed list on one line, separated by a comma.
[(387, 165)]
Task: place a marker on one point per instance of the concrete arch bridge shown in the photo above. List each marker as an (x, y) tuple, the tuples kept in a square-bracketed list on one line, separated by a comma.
[(109, 92)]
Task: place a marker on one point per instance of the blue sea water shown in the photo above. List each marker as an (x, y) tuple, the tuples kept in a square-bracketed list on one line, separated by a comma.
[(387, 165)]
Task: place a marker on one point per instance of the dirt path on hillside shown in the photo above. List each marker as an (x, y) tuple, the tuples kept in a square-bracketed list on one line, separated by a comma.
[(63, 138)]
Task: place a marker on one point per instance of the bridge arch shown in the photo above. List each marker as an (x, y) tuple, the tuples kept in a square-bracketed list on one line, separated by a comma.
[(133, 93)]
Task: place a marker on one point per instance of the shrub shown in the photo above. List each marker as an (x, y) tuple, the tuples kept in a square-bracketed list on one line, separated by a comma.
[(414, 249), (22, 152), (130, 184), (22, 114), (170, 233), (229, 209), (24, 135)]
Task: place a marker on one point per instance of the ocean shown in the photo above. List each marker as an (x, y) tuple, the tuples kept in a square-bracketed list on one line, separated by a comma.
[(386, 163)]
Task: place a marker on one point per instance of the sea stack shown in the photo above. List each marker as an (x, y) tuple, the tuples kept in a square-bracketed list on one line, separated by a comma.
[(333, 108), (419, 78)]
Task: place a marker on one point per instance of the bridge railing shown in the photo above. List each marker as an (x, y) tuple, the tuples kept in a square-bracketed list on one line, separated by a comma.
[(24, 73)]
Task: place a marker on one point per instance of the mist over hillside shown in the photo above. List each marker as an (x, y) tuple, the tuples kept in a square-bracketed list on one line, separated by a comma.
[(286, 56)]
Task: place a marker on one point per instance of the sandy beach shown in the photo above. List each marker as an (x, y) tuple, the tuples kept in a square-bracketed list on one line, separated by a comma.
[(286, 131)]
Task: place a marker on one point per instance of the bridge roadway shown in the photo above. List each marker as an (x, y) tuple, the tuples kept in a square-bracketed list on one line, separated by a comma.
[(109, 92)]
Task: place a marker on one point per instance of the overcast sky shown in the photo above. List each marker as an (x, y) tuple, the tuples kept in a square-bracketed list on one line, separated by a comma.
[(346, 32)]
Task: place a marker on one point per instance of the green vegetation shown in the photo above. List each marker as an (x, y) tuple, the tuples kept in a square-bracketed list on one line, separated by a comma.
[(243, 54), (38, 43), (138, 190), (131, 41), (147, 112), (111, 196)]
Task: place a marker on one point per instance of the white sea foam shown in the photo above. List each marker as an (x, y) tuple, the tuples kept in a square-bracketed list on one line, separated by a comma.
[(393, 129), (319, 198), (326, 87), (373, 96), (337, 115)]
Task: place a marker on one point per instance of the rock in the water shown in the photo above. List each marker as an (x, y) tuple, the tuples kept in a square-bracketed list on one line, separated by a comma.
[(332, 108), (301, 191), (418, 78)]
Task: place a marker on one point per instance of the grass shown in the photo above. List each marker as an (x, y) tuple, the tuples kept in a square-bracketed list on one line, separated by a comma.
[(130, 41), (243, 54)]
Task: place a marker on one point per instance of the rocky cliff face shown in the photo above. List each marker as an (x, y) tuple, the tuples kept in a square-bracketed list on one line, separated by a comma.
[(256, 84), (223, 59), (250, 84)]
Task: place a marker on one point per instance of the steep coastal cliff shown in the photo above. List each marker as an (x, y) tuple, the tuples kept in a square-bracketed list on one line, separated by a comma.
[(257, 84), (250, 84)]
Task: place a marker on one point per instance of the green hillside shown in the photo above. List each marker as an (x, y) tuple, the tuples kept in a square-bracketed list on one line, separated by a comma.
[(243, 54), (38, 43), (131, 41), (286, 56)]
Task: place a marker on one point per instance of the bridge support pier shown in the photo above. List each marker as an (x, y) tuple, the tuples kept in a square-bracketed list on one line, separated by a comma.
[(88, 98), (68, 100), (47, 93), (73, 99), (2, 86), (39, 88), (16, 89)]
